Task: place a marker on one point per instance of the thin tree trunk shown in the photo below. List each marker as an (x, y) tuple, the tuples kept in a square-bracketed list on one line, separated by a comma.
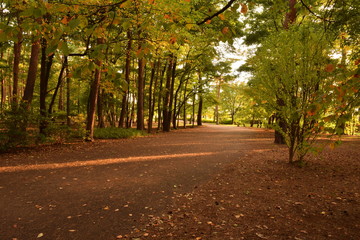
[(16, 68), (59, 83), (100, 108), (140, 98), (160, 98), (93, 97), (124, 102), (151, 93), (167, 97), (68, 95), (200, 107), (193, 110), (46, 63)]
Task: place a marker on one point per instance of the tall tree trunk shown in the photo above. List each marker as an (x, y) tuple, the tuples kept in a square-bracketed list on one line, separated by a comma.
[(160, 97), (93, 97), (200, 107), (185, 89), (167, 97), (31, 76), (100, 108), (154, 70), (218, 90), (140, 98), (124, 102), (193, 109), (16, 68), (46, 63)]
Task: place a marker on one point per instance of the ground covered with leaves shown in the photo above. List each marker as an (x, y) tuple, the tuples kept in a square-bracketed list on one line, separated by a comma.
[(261, 196), (212, 182)]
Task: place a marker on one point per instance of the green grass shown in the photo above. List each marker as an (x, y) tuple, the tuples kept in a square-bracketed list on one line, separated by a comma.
[(115, 133)]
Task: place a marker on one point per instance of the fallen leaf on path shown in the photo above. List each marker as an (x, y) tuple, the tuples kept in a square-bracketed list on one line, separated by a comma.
[(40, 235)]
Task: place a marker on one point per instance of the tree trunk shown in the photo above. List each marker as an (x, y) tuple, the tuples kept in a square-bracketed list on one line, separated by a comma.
[(193, 109), (59, 83), (46, 63), (31, 77), (167, 98), (160, 97), (124, 102), (290, 16), (140, 98), (93, 98), (16, 68), (100, 108), (200, 108), (218, 90), (154, 70), (68, 95)]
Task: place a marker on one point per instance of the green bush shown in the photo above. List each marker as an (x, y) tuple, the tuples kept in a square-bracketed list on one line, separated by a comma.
[(114, 133)]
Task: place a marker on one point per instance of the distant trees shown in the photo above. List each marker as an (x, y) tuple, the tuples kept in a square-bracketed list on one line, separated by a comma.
[(115, 62)]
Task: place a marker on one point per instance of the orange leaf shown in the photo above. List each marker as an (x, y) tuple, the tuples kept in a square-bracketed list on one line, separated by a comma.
[(329, 68), (357, 62), (225, 30), (244, 9), (151, 1), (187, 0), (221, 16), (208, 21), (65, 20), (173, 40)]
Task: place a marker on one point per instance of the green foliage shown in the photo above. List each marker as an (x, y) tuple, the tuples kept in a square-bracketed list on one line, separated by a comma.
[(115, 133), (14, 132), (291, 78)]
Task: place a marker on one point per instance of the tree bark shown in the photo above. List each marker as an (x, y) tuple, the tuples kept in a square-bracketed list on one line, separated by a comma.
[(93, 98), (59, 83), (46, 63), (140, 98), (124, 102), (167, 98), (16, 68), (31, 76), (200, 107), (100, 108)]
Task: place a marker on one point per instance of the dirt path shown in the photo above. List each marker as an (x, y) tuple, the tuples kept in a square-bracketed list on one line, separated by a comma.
[(101, 190)]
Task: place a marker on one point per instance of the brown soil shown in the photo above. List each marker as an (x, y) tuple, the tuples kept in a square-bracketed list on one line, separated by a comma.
[(213, 182)]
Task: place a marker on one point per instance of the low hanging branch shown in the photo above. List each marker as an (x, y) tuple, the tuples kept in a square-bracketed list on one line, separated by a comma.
[(217, 13)]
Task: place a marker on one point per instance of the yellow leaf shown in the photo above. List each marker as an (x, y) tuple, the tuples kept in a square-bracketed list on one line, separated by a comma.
[(40, 235), (244, 9)]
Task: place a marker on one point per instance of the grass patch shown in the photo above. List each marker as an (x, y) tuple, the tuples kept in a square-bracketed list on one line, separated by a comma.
[(115, 133)]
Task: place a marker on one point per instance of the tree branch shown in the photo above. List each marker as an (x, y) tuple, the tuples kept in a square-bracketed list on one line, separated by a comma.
[(217, 13), (307, 7)]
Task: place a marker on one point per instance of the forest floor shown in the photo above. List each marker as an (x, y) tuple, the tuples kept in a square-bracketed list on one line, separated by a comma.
[(211, 182)]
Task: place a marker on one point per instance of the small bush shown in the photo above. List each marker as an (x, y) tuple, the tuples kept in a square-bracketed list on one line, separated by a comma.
[(115, 133)]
